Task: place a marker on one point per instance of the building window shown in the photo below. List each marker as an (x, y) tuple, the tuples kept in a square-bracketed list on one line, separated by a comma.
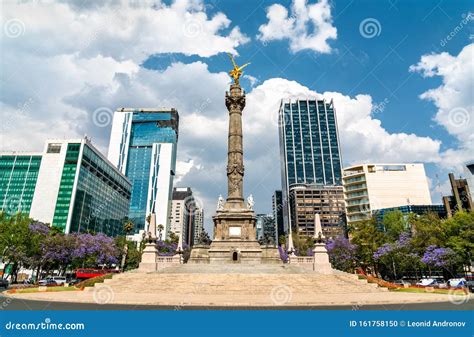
[(53, 148)]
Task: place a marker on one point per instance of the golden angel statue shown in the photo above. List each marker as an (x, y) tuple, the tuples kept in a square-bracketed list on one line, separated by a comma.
[(237, 71)]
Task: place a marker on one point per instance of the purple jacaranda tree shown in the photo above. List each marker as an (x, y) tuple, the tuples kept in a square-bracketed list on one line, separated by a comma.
[(283, 254), (342, 254), (39, 228), (166, 248), (397, 258), (438, 257), (384, 250), (401, 246), (404, 240), (57, 251), (91, 250), (38, 232), (385, 256), (79, 250)]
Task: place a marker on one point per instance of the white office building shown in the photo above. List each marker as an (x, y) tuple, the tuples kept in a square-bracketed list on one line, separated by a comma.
[(369, 187), (198, 223), (69, 185)]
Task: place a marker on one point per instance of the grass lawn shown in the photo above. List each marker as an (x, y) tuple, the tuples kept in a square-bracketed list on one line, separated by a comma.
[(36, 290), (430, 291)]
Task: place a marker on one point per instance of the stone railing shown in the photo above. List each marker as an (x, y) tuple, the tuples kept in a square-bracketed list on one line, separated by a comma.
[(307, 262), (303, 259), (167, 261)]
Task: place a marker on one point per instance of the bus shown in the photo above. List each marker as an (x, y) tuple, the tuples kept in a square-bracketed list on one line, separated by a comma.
[(86, 273)]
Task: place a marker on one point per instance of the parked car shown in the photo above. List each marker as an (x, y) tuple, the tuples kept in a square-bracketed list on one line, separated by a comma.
[(470, 285), (401, 283), (60, 280), (4, 283), (48, 282), (426, 282), (74, 281), (441, 284), (457, 282)]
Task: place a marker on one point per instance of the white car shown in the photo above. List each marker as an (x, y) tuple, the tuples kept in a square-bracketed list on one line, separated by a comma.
[(426, 282), (457, 282), (60, 280), (47, 282)]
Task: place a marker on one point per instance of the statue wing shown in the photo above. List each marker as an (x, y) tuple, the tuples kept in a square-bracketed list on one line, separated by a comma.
[(232, 59), (242, 67)]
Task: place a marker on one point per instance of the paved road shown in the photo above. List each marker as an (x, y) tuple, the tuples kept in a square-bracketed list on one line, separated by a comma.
[(20, 304)]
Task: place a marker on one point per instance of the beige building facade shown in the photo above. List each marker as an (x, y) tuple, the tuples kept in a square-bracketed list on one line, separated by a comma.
[(368, 187)]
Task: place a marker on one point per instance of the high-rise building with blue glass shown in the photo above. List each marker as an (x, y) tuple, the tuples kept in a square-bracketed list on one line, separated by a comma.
[(311, 160), (143, 146)]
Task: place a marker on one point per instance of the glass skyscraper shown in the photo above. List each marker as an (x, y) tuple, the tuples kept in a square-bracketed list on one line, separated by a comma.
[(309, 143), (70, 185), (310, 158), (277, 206), (143, 146), (18, 175)]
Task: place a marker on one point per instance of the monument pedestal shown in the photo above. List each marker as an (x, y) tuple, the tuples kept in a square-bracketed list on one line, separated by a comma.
[(148, 262), (199, 254), (235, 237), (321, 259), (271, 255)]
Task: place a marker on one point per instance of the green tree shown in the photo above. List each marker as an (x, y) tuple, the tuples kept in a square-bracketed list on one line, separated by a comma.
[(282, 240), (128, 227), (460, 235), (204, 238), (14, 241), (394, 224), (303, 243), (133, 256), (173, 237), (368, 239), (160, 228), (427, 230)]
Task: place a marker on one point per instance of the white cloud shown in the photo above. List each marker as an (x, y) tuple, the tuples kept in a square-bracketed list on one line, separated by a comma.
[(53, 78), (120, 29), (363, 137), (183, 168), (308, 27), (454, 99), (253, 80)]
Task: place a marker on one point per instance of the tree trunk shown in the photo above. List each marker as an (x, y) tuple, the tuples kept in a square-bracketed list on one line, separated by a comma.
[(124, 256), (38, 271), (14, 272)]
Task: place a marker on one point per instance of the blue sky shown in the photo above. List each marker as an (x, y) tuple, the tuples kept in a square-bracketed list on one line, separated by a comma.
[(73, 60)]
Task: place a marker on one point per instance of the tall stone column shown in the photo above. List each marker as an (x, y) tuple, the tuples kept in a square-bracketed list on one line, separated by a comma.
[(235, 236), (235, 102)]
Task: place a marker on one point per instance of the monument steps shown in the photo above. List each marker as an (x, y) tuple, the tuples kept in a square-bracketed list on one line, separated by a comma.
[(241, 283)]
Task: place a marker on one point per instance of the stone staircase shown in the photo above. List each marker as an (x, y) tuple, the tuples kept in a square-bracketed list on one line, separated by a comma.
[(234, 284)]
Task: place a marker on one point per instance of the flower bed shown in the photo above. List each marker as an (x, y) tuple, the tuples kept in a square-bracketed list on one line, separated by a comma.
[(412, 288), (90, 282)]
